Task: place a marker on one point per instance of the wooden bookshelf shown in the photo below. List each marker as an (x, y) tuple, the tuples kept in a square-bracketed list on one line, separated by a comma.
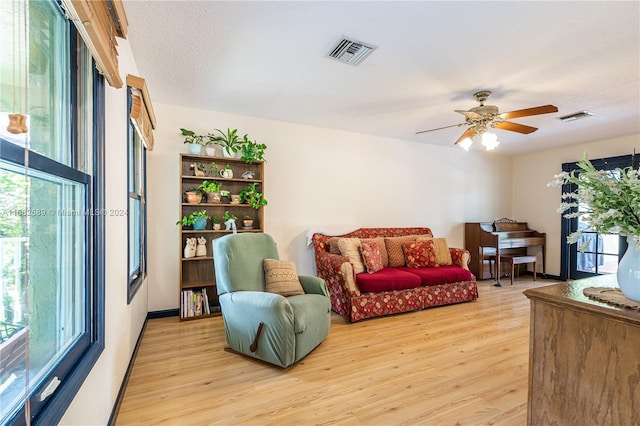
[(197, 274)]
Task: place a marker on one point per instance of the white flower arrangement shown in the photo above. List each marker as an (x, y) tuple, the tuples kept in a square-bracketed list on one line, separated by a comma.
[(609, 200)]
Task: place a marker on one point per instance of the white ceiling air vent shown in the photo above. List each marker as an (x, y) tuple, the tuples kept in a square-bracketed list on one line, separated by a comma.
[(350, 51), (576, 116)]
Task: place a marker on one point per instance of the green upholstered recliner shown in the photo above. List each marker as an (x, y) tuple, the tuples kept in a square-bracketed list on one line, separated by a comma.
[(292, 326)]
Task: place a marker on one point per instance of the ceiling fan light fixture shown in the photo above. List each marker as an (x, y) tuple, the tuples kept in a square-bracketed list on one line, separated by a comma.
[(490, 141), (482, 117), (466, 143)]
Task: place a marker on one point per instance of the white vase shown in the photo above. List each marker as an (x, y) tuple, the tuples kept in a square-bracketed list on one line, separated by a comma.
[(210, 150), (629, 271), (227, 153)]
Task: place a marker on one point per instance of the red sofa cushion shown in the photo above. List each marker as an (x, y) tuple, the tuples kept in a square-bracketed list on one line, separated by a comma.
[(442, 275), (387, 279)]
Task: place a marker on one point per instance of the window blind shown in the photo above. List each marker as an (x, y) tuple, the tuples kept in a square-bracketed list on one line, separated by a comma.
[(99, 22), (144, 119)]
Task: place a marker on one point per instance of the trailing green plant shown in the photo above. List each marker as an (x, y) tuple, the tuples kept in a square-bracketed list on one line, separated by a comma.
[(191, 219), (207, 187), (252, 196), (252, 151), (226, 216), (191, 137)]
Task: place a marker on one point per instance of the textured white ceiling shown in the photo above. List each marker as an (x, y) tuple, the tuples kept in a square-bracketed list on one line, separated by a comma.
[(267, 59)]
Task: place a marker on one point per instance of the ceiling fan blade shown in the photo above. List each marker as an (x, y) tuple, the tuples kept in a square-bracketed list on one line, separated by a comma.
[(515, 127), (440, 128), (468, 114), (545, 109), (467, 134)]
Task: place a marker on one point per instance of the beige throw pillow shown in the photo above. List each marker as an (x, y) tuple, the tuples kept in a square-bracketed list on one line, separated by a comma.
[(350, 248), (443, 255), (282, 277)]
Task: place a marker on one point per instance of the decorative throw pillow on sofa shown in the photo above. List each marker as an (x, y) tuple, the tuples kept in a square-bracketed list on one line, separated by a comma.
[(381, 246), (350, 247), (394, 249), (371, 256), (442, 249), (420, 254), (281, 277)]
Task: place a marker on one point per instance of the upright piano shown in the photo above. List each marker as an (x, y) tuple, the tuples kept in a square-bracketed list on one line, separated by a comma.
[(486, 241)]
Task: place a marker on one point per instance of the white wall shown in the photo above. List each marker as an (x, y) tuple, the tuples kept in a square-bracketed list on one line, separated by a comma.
[(318, 177), (537, 204), (95, 399)]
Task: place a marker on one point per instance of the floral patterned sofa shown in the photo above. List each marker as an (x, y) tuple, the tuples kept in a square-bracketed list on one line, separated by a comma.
[(436, 286)]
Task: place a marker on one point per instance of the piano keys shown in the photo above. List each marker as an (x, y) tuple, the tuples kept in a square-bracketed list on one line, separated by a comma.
[(487, 241)]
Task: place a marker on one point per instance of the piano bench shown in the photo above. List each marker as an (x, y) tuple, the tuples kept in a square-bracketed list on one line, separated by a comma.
[(519, 260)]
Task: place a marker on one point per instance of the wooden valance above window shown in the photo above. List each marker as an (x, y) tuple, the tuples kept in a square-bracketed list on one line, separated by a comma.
[(99, 22), (144, 119)]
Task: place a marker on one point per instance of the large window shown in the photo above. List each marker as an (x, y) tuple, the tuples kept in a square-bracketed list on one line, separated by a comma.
[(594, 254), (137, 207), (51, 204)]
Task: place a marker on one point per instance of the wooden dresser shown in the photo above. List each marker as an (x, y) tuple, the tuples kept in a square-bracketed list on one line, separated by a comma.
[(584, 357)]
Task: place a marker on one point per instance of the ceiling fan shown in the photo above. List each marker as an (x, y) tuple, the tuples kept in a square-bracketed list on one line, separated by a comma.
[(482, 117)]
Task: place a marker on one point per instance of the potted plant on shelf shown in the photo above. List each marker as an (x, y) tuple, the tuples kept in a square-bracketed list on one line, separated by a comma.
[(193, 195), (209, 146), (252, 196), (229, 221), (194, 141), (229, 141), (213, 169), (226, 173), (247, 222), (197, 220), (212, 189), (216, 223), (252, 151), (225, 195)]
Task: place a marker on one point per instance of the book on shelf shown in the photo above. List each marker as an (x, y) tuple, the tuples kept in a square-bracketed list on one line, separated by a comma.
[(194, 303), (205, 301)]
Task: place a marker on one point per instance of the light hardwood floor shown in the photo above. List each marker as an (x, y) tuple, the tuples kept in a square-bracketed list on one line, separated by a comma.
[(464, 364)]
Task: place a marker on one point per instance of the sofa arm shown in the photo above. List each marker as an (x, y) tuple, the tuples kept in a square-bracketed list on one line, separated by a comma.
[(337, 271), (460, 257), (313, 285)]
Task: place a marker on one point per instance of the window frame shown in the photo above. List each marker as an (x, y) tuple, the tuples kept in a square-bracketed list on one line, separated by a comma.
[(76, 364), (137, 277)]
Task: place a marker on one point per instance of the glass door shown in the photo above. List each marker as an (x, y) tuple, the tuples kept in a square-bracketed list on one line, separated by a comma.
[(593, 254)]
